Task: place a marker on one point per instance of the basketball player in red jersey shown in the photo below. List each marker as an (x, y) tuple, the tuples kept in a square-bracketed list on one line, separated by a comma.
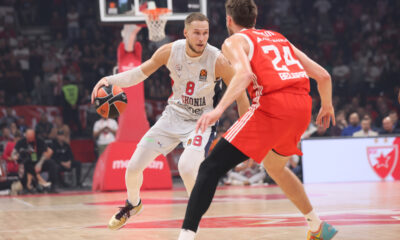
[(275, 74)]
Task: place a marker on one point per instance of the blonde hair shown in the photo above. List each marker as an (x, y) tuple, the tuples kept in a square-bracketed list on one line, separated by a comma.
[(195, 16)]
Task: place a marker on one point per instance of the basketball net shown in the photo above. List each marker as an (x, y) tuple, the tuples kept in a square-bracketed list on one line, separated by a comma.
[(156, 19)]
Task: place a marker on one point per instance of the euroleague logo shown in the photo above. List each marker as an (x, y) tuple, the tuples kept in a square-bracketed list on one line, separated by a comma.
[(203, 75), (384, 157)]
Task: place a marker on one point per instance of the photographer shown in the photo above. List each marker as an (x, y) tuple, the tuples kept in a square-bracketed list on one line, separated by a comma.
[(64, 157), (34, 154)]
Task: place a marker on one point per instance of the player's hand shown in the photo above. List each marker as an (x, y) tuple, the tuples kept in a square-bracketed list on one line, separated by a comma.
[(326, 113), (207, 120), (99, 84)]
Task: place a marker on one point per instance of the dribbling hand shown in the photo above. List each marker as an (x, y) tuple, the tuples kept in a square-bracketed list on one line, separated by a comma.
[(207, 119), (326, 113), (99, 84)]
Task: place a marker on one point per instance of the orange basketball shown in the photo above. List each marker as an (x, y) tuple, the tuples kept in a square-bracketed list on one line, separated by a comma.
[(111, 101)]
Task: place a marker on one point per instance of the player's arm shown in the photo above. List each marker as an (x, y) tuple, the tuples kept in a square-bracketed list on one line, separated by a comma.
[(138, 74), (224, 70), (323, 78), (236, 50)]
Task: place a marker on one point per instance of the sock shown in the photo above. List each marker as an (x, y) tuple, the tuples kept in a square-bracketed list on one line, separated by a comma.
[(186, 235), (135, 203), (313, 221)]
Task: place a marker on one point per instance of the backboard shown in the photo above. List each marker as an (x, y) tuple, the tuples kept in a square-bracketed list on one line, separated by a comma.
[(129, 11)]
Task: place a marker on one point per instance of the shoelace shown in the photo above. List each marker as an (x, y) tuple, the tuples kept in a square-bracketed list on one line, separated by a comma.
[(125, 210)]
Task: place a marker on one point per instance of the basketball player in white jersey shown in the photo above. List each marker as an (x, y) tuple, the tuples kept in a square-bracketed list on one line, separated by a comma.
[(194, 68)]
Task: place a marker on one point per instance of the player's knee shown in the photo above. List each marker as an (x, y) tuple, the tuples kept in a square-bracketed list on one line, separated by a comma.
[(273, 170), (208, 168), (189, 162), (132, 168), (140, 160), (187, 171)]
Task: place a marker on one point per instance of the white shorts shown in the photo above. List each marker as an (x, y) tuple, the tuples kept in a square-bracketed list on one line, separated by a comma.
[(170, 130)]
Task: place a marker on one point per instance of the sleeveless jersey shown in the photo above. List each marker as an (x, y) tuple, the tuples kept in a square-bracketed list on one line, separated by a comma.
[(276, 66), (194, 81)]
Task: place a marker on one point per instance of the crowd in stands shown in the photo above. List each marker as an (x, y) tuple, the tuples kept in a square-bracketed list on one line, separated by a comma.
[(51, 46)]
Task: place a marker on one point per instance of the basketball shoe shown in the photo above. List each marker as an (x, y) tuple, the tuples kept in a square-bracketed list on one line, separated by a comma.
[(119, 219), (325, 232)]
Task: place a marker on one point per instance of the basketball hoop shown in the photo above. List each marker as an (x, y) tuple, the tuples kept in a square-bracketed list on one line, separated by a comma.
[(156, 21)]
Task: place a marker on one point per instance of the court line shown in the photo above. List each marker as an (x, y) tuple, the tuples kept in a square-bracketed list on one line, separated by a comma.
[(23, 202)]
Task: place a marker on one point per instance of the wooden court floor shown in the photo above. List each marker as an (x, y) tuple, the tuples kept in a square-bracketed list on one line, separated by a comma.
[(359, 210)]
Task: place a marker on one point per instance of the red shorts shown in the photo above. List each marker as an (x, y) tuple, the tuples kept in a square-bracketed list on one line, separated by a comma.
[(277, 123)]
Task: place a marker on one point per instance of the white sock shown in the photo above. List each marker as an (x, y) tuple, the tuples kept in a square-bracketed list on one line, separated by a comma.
[(313, 221), (186, 235), (135, 203)]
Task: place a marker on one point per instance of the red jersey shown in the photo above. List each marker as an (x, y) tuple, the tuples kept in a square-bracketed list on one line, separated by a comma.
[(281, 109), (276, 66)]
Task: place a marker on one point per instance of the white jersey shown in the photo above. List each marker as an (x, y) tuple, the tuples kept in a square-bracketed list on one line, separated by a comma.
[(194, 80)]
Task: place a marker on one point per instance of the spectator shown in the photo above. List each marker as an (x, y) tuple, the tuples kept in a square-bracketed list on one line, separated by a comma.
[(341, 124), (323, 6), (43, 127), (387, 127), (59, 125), (354, 121), (34, 154), (21, 124), (14, 77), (9, 117), (104, 132), (57, 23), (12, 164), (70, 98), (5, 137), (73, 24), (395, 119), (13, 129), (246, 173), (21, 53), (293, 164), (366, 130), (312, 128), (64, 157), (321, 132), (341, 73)]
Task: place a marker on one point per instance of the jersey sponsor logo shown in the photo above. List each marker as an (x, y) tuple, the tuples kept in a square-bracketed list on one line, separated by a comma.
[(189, 142), (288, 76), (203, 75), (196, 102), (178, 67), (195, 111)]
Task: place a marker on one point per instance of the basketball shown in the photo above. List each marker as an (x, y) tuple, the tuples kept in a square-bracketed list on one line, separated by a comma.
[(111, 101)]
